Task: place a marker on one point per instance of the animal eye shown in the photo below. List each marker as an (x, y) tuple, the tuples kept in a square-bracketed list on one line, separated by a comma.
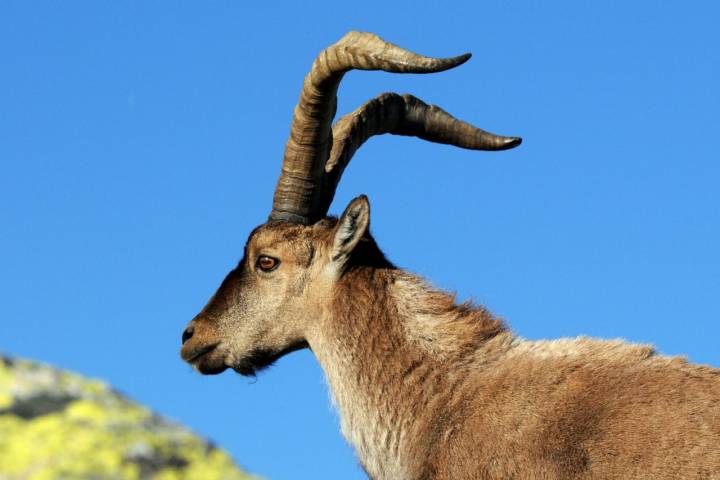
[(267, 264)]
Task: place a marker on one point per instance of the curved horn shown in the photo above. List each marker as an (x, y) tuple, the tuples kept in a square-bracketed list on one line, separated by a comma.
[(402, 115), (299, 192)]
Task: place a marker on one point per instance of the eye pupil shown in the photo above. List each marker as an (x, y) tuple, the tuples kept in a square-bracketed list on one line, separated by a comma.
[(267, 263)]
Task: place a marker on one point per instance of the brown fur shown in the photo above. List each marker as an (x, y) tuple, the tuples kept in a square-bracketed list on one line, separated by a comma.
[(505, 408), (429, 389)]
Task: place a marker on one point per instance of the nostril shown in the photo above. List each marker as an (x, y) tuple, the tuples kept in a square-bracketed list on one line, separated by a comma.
[(188, 333)]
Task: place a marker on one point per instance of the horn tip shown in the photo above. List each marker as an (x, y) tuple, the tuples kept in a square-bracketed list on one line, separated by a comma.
[(512, 142), (460, 59), (503, 143)]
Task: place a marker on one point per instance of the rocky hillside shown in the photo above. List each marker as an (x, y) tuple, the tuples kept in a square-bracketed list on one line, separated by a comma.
[(59, 425)]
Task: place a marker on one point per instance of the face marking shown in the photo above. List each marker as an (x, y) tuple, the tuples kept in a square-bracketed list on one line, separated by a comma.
[(260, 311)]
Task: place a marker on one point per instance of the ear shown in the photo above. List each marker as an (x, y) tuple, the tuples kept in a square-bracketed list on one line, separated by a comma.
[(350, 228)]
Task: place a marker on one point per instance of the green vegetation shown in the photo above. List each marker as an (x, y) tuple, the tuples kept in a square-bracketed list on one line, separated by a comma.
[(58, 425)]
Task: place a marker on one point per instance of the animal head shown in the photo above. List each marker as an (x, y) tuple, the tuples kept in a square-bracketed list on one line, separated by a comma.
[(264, 306), (291, 265)]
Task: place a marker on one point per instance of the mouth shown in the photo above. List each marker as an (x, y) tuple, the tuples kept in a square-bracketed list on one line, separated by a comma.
[(206, 360), (192, 355)]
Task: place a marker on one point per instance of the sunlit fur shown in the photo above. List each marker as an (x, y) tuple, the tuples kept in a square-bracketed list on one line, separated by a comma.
[(430, 389)]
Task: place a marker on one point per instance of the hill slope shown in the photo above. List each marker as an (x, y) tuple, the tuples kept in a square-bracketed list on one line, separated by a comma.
[(58, 425)]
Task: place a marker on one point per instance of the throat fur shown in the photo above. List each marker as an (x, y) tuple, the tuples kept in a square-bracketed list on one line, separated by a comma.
[(395, 352)]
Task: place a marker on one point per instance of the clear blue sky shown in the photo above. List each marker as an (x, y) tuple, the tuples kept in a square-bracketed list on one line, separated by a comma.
[(140, 143)]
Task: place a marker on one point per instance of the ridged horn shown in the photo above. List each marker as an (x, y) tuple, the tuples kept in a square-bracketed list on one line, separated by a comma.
[(402, 115), (299, 195)]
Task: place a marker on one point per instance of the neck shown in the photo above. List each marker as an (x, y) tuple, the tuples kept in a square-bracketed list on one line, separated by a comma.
[(394, 352)]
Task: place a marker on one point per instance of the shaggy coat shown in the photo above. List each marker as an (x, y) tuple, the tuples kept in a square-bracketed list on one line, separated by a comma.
[(429, 389)]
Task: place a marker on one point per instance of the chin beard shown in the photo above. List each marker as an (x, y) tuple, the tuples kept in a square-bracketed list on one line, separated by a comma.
[(261, 358)]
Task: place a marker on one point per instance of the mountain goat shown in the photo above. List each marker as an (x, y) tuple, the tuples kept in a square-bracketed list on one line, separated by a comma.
[(428, 388)]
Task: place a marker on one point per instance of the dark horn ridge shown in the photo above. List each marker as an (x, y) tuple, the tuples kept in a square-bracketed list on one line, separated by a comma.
[(313, 163)]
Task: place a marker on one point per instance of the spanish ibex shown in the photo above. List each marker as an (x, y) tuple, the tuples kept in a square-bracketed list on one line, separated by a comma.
[(428, 388)]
